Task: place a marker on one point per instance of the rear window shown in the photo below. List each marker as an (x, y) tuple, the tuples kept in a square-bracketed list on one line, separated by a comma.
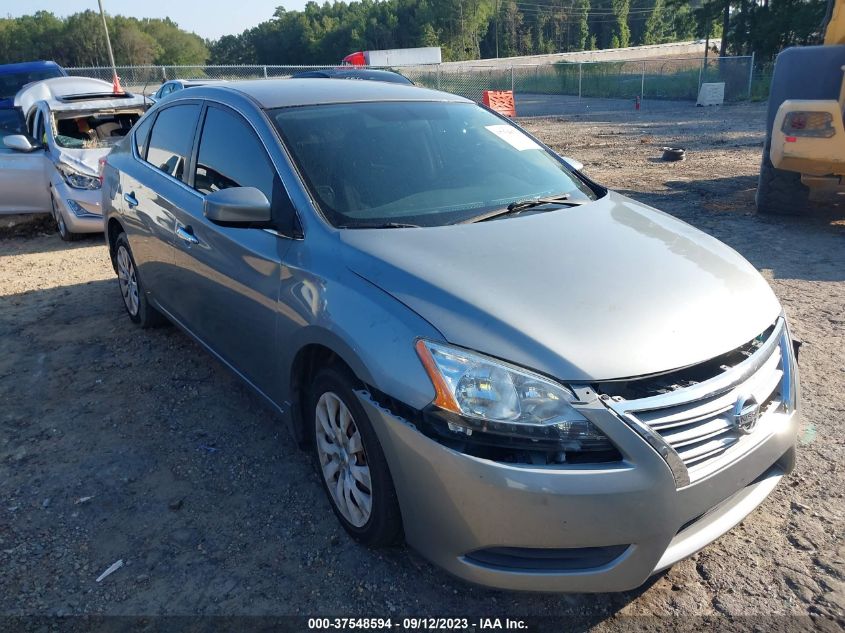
[(11, 83), (172, 138), (142, 135)]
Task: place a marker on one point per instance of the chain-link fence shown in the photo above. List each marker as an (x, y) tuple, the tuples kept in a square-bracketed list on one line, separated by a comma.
[(557, 88)]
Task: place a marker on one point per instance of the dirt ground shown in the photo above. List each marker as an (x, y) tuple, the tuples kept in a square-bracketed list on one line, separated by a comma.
[(121, 444)]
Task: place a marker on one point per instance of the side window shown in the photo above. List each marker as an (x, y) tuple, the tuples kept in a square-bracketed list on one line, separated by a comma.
[(171, 139), (230, 155), (142, 135), (11, 123)]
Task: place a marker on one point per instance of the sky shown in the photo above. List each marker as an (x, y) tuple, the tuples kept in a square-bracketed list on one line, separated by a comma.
[(207, 18)]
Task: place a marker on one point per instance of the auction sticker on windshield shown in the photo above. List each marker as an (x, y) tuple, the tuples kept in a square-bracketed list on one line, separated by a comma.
[(513, 137)]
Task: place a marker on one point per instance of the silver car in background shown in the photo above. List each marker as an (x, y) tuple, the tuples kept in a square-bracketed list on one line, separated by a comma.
[(543, 384), (68, 125), (175, 85)]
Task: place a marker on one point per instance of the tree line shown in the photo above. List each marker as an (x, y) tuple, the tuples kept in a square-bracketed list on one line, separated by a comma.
[(78, 40), (464, 29)]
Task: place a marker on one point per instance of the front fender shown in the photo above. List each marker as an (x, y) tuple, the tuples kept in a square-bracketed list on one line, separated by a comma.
[(372, 332)]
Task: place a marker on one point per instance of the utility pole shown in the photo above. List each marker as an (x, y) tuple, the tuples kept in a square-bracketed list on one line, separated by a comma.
[(115, 78), (497, 29), (463, 40)]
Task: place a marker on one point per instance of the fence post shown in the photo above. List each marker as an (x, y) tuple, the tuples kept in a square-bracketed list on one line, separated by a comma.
[(163, 75), (580, 75), (642, 84), (750, 75), (265, 72), (700, 74), (438, 76), (511, 77)]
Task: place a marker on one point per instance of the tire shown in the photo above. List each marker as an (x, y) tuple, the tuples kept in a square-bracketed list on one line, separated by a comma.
[(340, 472), (780, 192), (132, 293), (64, 232)]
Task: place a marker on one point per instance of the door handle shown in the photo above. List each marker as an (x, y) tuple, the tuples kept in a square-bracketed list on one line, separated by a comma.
[(185, 235), (131, 200)]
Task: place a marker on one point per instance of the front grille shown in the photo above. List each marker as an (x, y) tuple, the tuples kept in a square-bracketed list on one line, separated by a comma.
[(701, 423)]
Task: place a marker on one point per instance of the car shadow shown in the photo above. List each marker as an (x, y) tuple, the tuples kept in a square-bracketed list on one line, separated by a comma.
[(138, 446), (42, 238)]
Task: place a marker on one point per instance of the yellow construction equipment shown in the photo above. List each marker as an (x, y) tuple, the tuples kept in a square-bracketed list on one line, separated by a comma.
[(805, 143)]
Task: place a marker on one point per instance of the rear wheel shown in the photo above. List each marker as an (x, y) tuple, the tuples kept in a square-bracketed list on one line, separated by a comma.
[(350, 461), (132, 292), (780, 192)]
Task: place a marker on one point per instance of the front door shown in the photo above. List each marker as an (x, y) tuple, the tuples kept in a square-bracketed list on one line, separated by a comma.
[(229, 278), (23, 175)]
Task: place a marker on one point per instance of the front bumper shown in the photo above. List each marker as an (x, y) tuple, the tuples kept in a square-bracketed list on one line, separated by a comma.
[(454, 505), (81, 208)]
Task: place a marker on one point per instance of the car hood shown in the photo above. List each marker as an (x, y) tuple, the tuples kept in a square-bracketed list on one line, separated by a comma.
[(610, 289), (85, 161)]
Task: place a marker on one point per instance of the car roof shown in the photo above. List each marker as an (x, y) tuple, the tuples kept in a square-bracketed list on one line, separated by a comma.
[(73, 93), (24, 67), (356, 73), (193, 82), (281, 93)]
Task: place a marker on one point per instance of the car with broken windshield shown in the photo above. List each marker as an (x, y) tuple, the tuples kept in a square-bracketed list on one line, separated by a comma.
[(66, 126), (537, 382)]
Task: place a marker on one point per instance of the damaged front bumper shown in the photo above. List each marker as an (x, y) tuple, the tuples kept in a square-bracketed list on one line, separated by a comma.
[(693, 461), (81, 208), (581, 528)]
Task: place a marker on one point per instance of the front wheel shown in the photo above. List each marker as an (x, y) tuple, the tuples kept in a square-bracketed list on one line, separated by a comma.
[(64, 232), (351, 463)]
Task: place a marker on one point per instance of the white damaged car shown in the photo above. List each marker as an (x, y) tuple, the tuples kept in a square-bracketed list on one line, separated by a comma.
[(71, 124)]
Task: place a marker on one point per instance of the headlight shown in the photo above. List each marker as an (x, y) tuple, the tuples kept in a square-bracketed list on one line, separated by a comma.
[(78, 180), (491, 396)]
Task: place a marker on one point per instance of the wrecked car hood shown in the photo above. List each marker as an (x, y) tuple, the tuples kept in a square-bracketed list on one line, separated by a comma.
[(610, 289), (85, 161)]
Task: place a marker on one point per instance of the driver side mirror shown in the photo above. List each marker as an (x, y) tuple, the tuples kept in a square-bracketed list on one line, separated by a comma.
[(19, 143), (237, 206), (575, 165)]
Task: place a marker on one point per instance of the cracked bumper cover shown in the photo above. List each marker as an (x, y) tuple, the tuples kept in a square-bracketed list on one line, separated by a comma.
[(453, 504), (81, 208)]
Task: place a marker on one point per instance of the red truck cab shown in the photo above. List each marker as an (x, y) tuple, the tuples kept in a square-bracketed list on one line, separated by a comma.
[(355, 59)]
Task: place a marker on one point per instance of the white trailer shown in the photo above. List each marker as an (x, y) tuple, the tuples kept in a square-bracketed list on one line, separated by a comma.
[(396, 57)]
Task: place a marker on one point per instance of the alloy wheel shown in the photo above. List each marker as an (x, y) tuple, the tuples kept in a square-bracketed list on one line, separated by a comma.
[(343, 460), (128, 280)]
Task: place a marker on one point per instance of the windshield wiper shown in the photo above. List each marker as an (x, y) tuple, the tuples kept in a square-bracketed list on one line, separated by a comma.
[(521, 205), (384, 225)]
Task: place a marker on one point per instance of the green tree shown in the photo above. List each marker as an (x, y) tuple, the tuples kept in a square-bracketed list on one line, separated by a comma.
[(621, 32)]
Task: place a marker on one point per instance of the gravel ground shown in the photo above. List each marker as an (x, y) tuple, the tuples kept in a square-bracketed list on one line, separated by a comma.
[(121, 444)]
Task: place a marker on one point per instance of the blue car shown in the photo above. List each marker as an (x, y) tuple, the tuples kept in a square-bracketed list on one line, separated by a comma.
[(13, 77)]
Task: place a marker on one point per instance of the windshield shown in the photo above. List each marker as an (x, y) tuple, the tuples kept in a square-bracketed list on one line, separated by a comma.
[(11, 83), (422, 163), (92, 131)]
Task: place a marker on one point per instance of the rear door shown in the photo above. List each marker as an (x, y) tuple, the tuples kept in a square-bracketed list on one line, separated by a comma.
[(152, 189), (23, 175), (229, 278)]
